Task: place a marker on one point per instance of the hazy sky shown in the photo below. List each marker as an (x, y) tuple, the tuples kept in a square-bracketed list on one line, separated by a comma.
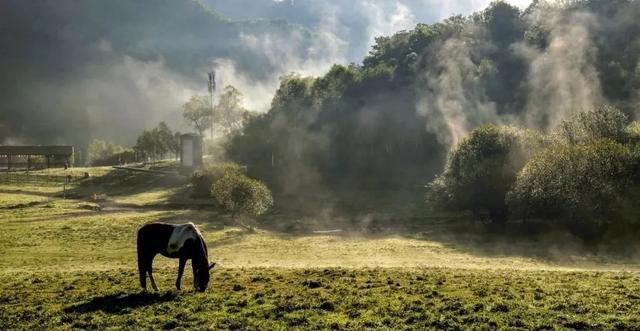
[(344, 33), (354, 22)]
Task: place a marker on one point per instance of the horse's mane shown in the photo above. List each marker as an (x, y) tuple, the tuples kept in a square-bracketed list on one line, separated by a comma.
[(195, 228)]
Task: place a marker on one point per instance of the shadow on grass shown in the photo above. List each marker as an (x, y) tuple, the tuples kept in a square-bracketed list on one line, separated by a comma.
[(120, 183), (119, 303), (28, 192)]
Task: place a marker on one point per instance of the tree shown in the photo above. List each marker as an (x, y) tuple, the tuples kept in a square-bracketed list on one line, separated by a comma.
[(145, 144), (99, 151), (175, 144), (241, 195), (482, 168), (197, 111), (166, 139), (586, 186), (604, 122), (156, 142), (229, 114)]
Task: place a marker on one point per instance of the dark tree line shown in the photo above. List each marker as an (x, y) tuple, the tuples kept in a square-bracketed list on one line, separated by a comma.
[(152, 144)]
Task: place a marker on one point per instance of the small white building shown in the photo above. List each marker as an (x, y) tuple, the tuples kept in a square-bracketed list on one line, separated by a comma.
[(190, 151)]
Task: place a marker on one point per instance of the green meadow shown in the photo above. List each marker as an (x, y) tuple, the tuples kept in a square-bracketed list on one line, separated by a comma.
[(68, 261)]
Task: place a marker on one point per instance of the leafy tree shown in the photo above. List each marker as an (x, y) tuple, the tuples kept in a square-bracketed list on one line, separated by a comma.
[(503, 22), (197, 112), (229, 114), (166, 139), (157, 142), (482, 168), (603, 122), (174, 147), (241, 195), (588, 187)]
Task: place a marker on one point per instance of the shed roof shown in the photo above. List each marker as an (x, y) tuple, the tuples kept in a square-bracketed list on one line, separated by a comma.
[(36, 150)]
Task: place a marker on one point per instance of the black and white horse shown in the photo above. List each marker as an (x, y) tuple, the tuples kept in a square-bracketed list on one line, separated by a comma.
[(178, 241)]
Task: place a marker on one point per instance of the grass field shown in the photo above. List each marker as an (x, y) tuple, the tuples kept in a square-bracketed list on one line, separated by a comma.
[(70, 264)]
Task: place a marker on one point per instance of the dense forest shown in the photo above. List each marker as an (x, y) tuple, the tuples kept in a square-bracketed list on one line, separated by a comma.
[(390, 122), (391, 119)]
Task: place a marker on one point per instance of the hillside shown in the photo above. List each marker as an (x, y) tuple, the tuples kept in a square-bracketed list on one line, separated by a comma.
[(94, 69), (390, 120)]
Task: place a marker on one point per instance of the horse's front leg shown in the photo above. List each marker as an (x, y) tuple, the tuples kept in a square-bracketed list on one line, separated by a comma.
[(181, 265)]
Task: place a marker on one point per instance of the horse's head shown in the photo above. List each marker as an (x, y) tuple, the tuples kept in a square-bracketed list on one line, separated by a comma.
[(201, 276), (200, 263)]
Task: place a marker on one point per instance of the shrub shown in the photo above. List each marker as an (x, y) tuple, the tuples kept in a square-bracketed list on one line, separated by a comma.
[(482, 168), (203, 179), (633, 132), (241, 195), (603, 122), (589, 186)]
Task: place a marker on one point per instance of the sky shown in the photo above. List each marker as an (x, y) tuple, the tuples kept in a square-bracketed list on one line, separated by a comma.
[(356, 23)]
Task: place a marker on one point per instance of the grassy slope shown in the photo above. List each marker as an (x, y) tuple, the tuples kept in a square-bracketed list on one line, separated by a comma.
[(64, 265)]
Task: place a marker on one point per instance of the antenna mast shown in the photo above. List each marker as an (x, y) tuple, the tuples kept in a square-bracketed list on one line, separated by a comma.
[(212, 88)]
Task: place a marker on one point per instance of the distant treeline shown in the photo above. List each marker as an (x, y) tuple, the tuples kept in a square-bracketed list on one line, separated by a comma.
[(152, 144)]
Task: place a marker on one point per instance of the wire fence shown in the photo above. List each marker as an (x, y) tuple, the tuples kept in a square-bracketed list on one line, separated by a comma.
[(44, 179)]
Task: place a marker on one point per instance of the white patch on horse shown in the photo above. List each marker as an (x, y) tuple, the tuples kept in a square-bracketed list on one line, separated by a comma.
[(182, 233)]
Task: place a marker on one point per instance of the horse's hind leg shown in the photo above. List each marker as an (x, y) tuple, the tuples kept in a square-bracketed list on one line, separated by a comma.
[(143, 278), (153, 282), (145, 262), (142, 270)]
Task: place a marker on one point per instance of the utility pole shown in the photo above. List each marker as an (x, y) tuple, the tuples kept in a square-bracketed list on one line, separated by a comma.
[(212, 88)]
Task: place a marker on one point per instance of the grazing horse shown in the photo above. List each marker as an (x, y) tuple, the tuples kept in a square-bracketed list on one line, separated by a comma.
[(178, 241)]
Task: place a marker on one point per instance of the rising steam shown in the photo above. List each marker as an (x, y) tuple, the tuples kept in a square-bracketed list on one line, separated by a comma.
[(562, 79), (453, 100)]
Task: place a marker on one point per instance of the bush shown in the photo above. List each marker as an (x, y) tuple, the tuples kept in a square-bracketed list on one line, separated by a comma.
[(633, 132), (589, 186), (482, 168), (241, 195), (203, 179), (604, 122)]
